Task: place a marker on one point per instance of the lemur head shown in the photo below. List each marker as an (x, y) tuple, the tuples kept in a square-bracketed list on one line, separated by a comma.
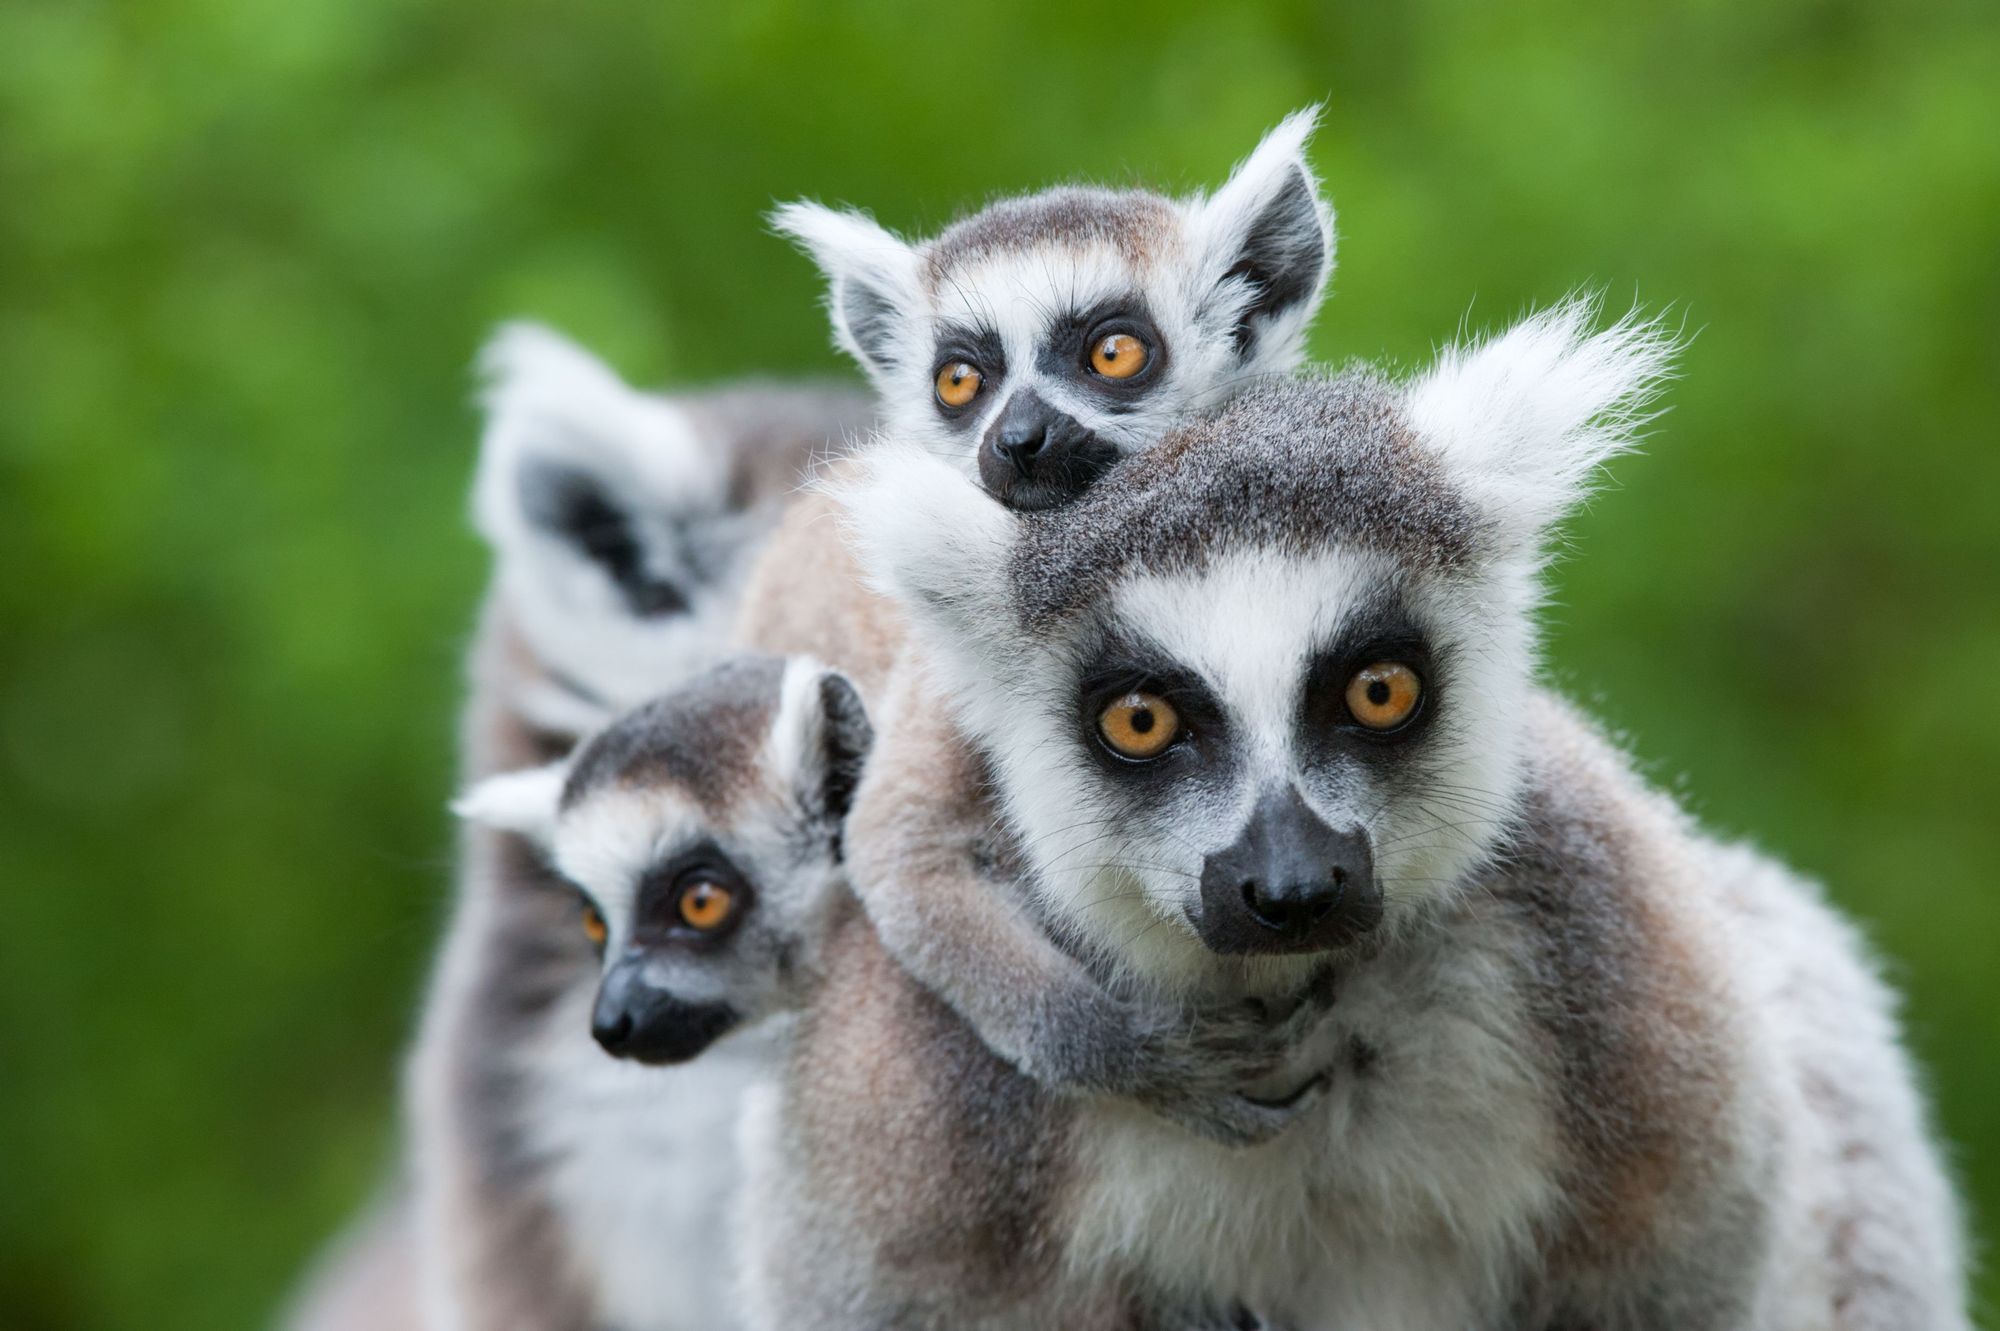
[(1044, 337), (1260, 694), (703, 831)]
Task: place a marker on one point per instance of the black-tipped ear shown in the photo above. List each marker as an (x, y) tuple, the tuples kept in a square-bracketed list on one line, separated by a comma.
[(1283, 258), (870, 277), (577, 468), (1268, 243), (576, 507), (845, 737)]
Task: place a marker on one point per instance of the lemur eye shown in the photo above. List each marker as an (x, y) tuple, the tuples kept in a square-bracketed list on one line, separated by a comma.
[(958, 383), (1384, 695), (1139, 725), (594, 927), (1119, 356), (706, 905)]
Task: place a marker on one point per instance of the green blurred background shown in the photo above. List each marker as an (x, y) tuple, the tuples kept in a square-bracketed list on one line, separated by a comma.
[(248, 250)]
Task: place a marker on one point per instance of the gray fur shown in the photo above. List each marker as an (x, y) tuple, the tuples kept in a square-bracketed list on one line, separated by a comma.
[(1258, 473)]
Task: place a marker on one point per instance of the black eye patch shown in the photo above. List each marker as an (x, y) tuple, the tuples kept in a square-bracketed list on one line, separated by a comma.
[(1067, 343), (1119, 669), (979, 347), (660, 920), (573, 506), (1385, 635)]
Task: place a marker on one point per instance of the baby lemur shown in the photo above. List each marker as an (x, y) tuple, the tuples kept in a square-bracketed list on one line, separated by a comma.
[(1044, 337), (1260, 705)]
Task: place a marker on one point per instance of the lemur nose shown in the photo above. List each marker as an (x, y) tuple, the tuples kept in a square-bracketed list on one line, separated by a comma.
[(1020, 445), (1293, 909), (612, 1030)]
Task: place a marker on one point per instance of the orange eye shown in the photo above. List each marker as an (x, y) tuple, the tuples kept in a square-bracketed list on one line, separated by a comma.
[(594, 927), (1119, 356), (1139, 725), (706, 905), (958, 383), (1384, 695)]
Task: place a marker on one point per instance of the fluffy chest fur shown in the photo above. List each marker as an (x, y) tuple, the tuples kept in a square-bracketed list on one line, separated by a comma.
[(638, 1162), (1407, 1196)]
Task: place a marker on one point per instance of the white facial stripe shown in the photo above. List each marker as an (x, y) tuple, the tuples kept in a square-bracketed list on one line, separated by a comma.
[(1250, 625)]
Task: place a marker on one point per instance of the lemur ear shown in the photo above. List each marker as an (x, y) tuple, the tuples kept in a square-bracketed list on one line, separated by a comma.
[(931, 540), (823, 736), (523, 802), (574, 469), (1266, 246), (871, 278), (1523, 419)]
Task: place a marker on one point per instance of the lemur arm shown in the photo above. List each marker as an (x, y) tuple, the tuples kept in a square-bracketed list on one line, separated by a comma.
[(916, 848)]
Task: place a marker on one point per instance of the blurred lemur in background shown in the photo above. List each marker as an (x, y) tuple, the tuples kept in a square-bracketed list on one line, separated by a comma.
[(623, 524), (1257, 712)]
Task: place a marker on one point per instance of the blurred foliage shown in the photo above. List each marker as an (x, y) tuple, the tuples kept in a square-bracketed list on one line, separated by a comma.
[(247, 251)]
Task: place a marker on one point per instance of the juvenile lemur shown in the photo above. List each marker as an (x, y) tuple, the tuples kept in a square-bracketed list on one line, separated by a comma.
[(1260, 704), (1044, 337)]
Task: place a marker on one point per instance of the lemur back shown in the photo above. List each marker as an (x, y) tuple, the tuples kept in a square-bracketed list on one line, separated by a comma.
[(1584, 1066)]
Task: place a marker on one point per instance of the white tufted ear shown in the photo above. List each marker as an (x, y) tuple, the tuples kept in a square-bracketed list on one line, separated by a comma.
[(1524, 418), (930, 539), (1266, 245), (524, 802), (872, 292)]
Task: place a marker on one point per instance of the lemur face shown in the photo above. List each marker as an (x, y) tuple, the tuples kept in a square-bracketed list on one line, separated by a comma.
[(702, 831), (1257, 695), (1043, 338)]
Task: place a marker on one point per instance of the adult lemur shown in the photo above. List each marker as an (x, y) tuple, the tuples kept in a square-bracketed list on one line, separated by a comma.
[(1258, 708)]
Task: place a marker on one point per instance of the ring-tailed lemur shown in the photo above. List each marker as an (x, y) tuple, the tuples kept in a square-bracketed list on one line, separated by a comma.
[(1045, 336), (702, 831), (621, 523), (1262, 700)]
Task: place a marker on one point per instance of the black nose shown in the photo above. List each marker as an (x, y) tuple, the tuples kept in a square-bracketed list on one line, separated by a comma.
[(638, 1020), (1288, 883), (1035, 456), (1021, 443), (1294, 908)]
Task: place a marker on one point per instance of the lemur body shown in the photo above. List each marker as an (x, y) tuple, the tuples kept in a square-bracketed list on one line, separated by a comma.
[(537, 1161), (1585, 1066), (623, 525)]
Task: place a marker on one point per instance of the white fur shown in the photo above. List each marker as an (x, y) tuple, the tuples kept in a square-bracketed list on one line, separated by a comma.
[(523, 802), (1523, 419)]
